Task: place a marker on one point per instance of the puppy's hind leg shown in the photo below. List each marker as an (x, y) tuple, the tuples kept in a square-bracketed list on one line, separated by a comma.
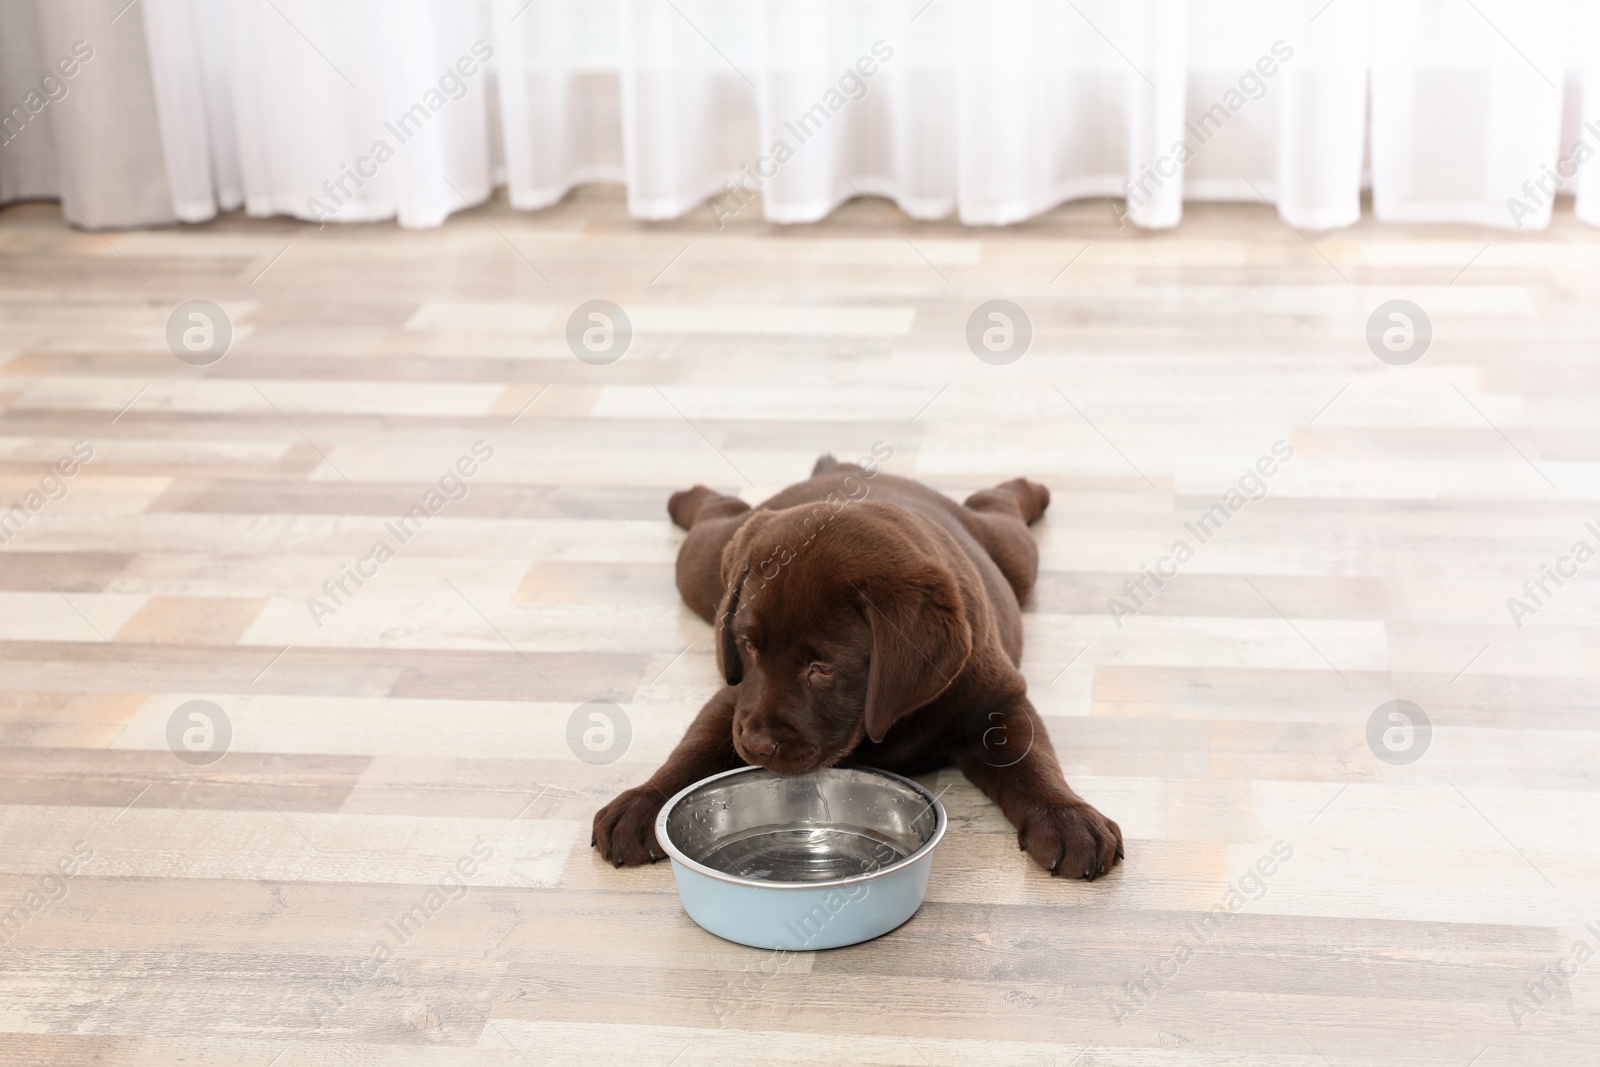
[(711, 519), (687, 505), (1017, 499), (825, 463), (999, 518)]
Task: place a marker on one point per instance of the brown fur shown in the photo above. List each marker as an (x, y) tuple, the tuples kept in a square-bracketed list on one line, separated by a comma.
[(867, 619)]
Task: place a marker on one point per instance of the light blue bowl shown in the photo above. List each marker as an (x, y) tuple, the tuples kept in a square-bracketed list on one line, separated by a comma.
[(802, 862)]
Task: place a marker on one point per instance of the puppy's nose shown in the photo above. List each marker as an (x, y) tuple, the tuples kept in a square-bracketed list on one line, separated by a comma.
[(758, 743)]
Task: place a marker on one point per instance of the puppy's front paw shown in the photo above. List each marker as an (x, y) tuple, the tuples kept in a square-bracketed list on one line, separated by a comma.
[(1071, 840), (625, 829)]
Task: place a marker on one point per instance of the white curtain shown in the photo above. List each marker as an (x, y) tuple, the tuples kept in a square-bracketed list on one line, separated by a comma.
[(348, 111), (1293, 78), (77, 114), (559, 70), (1456, 87), (992, 111)]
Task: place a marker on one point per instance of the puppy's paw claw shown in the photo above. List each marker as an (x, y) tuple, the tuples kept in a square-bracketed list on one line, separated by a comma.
[(1071, 841), (625, 829)]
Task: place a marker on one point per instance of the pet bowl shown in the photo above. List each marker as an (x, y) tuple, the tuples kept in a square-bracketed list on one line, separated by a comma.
[(803, 862)]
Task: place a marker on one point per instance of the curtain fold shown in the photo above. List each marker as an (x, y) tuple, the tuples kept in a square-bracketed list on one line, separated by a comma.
[(1319, 156), (351, 112), (689, 99), (1466, 109), (990, 111), (78, 114), (847, 107), (559, 66), (1060, 102), (195, 98), (1277, 106), (27, 147), (1583, 131)]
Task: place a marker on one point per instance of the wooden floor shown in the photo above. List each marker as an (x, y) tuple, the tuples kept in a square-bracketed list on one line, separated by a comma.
[(413, 734)]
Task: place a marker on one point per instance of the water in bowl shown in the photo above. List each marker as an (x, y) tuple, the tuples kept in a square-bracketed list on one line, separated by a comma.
[(803, 852)]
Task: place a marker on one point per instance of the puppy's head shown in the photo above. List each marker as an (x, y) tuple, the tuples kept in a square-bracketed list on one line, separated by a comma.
[(838, 620)]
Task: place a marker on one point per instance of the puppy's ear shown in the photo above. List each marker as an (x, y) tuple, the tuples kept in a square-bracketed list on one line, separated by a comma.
[(920, 642), (727, 648)]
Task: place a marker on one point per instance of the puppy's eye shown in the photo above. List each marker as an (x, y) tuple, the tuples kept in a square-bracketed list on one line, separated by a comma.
[(819, 672)]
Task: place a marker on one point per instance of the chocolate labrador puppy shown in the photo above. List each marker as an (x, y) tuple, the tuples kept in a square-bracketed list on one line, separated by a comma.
[(866, 619)]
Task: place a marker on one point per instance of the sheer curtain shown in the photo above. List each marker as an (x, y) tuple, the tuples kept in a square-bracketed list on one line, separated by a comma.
[(349, 111), (77, 114), (990, 111)]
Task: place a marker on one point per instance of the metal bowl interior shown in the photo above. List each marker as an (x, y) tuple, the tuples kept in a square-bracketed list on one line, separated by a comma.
[(832, 826)]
